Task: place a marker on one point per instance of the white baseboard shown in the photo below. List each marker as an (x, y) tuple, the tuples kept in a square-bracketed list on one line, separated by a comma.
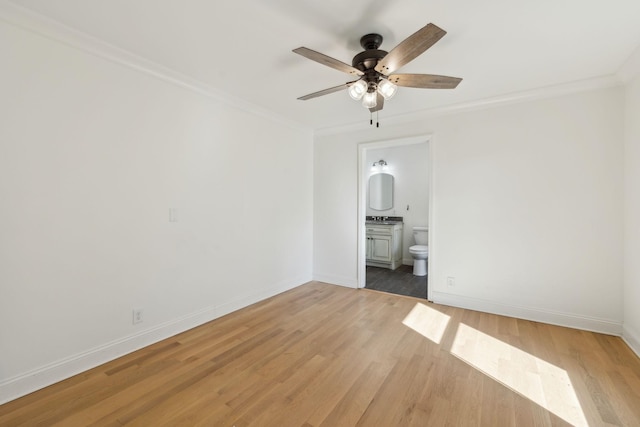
[(569, 320), (348, 282), (632, 338), (57, 371)]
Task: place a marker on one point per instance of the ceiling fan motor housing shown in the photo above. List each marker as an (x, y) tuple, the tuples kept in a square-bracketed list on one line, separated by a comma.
[(368, 59)]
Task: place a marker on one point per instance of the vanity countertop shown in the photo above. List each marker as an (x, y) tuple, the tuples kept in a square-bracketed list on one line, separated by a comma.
[(370, 222), (383, 220)]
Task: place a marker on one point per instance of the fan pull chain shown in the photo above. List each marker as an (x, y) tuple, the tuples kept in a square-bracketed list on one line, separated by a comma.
[(371, 119)]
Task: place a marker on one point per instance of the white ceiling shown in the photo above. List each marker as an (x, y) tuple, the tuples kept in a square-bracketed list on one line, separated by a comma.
[(243, 47)]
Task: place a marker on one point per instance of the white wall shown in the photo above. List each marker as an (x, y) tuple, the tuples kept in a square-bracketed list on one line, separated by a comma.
[(93, 154), (409, 166), (527, 207), (632, 215)]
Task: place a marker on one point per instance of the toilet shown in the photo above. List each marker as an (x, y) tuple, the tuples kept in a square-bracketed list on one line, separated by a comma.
[(420, 251)]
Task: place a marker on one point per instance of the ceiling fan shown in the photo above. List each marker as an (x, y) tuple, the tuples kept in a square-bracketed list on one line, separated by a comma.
[(376, 68)]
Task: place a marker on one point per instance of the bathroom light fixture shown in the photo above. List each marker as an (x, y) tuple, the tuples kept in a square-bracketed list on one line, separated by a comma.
[(379, 166)]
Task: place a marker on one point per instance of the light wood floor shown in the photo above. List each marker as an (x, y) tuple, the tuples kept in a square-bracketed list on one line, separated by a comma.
[(322, 355)]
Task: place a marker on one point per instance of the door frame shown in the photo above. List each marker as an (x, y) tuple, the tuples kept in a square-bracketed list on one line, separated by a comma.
[(363, 170)]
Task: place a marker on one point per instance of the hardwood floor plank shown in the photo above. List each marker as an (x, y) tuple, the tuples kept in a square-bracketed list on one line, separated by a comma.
[(322, 355), (357, 399)]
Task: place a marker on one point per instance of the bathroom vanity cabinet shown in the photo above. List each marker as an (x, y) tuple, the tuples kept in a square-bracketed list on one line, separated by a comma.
[(384, 245)]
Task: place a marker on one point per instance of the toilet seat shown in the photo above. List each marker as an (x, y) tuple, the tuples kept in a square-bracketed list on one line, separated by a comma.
[(419, 249)]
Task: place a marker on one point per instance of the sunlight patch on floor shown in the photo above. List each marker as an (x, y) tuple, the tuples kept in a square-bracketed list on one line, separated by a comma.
[(540, 381), (427, 322)]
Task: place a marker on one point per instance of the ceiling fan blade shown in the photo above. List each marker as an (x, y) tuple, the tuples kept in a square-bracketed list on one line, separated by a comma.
[(325, 91), (425, 81), (410, 48), (379, 104), (328, 61)]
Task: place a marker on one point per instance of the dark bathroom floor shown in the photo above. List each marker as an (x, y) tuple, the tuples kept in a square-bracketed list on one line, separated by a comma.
[(399, 281)]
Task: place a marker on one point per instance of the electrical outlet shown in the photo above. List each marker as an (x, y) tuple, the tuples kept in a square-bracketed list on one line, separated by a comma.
[(451, 281), (138, 315)]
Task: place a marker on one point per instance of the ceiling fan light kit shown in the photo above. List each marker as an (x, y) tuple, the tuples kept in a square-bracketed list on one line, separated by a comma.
[(387, 89), (374, 68), (358, 89), (370, 100)]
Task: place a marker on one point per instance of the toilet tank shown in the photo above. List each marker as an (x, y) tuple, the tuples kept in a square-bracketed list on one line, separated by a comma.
[(421, 235)]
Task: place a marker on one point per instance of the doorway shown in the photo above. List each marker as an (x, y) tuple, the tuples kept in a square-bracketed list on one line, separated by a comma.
[(380, 266)]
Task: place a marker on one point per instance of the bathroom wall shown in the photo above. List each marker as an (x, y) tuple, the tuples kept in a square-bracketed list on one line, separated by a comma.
[(93, 155), (409, 166), (527, 207), (632, 213)]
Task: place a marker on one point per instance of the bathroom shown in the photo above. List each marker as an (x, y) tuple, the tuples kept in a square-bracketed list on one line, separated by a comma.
[(405, 207)]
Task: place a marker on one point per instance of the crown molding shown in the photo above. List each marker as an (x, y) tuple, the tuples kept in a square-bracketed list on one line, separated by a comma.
[(482, 104), (631, 67), (50, 29), (43, 26)]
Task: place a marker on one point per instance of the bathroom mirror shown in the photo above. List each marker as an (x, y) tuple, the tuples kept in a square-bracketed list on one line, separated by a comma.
[(381, 191)]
